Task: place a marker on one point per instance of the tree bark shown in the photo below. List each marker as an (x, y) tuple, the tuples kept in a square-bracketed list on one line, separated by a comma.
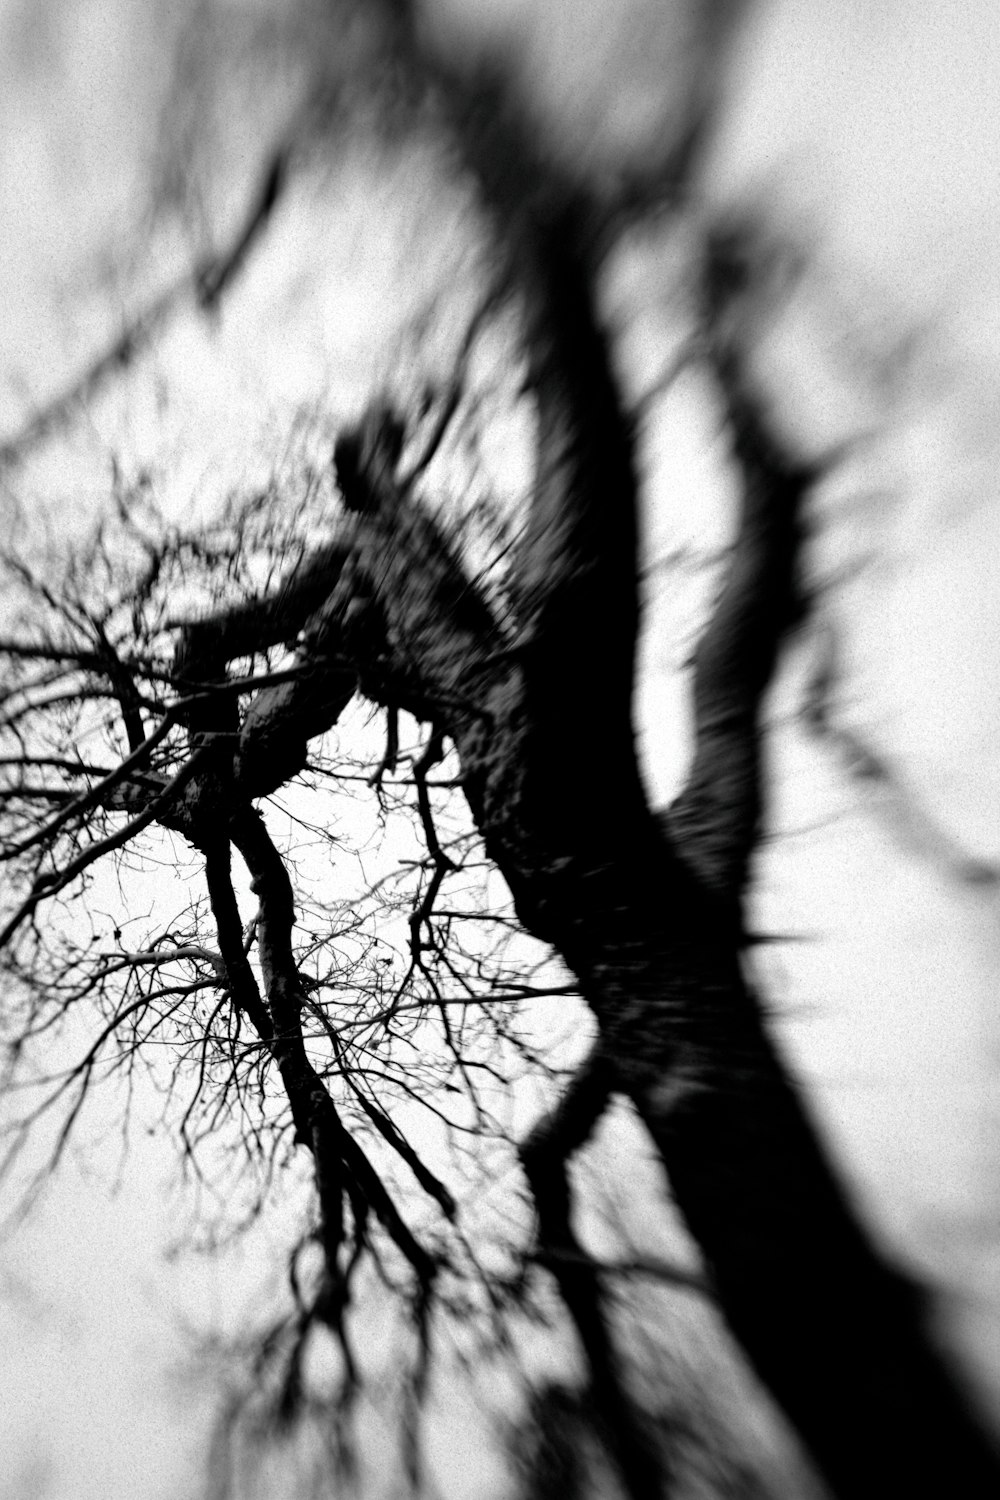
[(835, 1334), (644, 910)]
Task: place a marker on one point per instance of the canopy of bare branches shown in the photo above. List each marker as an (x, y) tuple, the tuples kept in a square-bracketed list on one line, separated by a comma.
[(322, 819)]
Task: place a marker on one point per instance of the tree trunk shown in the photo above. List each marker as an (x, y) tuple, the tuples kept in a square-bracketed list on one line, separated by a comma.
[(645, 910)]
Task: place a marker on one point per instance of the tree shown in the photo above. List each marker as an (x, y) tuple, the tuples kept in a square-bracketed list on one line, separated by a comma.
[(522, 675)]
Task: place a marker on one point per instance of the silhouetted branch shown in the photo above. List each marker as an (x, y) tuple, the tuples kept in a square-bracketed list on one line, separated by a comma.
[(544, 1157), (715, 819)]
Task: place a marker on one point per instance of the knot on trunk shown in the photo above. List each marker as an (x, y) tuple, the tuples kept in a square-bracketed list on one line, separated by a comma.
[(365, 458)]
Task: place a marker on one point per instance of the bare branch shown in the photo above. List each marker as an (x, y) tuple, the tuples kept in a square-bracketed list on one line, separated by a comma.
[(96, 795), (715, 819), (49, 885), (544, 1158)]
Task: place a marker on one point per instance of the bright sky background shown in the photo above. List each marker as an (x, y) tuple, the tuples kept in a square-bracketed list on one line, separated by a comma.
[(871, 136)]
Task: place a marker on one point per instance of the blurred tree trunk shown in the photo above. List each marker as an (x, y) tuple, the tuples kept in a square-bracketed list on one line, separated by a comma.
[(645, 909)]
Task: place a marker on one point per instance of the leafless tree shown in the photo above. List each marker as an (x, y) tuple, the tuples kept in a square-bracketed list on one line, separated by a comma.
[(207, 667)]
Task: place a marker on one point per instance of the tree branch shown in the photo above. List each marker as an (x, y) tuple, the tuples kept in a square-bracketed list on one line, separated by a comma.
[(544, 1156), (49, 885), (316, 1118), (716, 818)]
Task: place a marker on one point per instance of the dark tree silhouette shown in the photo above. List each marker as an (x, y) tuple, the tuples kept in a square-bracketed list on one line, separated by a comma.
[(528, 691)]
